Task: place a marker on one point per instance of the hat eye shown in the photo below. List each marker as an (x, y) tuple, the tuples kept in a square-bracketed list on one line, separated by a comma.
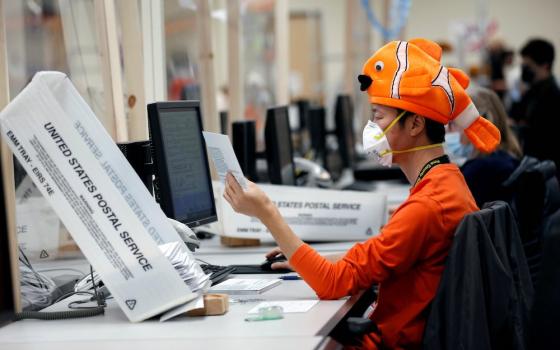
[(379, 66)]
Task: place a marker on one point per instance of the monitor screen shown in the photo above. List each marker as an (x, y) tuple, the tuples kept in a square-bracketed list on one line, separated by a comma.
[(180, 162), (279, 152), (345, 129)]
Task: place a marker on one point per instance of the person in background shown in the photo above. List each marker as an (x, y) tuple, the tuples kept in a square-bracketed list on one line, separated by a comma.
[(484, 173), (499, 57), (537, 112), (412, 97)]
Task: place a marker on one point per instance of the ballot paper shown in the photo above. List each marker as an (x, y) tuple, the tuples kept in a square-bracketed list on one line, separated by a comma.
[(288, 306), (235, 286), (98, 196), (223, 156), (184, 264), (197, 303)]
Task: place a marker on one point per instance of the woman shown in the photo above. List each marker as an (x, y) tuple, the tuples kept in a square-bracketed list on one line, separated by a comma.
[(485, 173), (412, 96)]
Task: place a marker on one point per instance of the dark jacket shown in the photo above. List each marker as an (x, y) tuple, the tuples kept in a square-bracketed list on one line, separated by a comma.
[(485, 292), (485, 176), (538, 110)]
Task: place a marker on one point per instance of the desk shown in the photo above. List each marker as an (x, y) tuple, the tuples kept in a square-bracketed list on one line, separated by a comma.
[(273, 343), (114, 331)]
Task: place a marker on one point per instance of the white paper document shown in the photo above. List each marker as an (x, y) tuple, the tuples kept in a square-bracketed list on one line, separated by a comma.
[(197, 303), (223, 156), (289, 306), (244, 286)]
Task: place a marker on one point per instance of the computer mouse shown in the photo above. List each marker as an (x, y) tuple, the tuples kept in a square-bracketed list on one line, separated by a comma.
[(267, 264), (200, 234)]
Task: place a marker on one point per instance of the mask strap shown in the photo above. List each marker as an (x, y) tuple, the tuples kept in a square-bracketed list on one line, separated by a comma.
[(418, 148), (380, 136)]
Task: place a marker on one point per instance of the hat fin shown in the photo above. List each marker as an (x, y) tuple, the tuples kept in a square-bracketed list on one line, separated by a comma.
[(483, 135), (428, 46), (460, 76)]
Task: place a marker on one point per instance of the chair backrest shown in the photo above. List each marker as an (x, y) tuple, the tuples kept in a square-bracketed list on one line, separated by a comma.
[(485, 290), (536, 194), (545, 312), (535, 198)]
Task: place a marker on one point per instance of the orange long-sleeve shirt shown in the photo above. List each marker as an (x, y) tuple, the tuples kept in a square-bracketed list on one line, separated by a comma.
[(406, 259)]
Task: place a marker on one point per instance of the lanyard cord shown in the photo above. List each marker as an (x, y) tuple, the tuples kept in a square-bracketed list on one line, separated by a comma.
[(432, 163)]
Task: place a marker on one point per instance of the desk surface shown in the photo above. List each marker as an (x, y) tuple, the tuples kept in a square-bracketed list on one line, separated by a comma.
[(273, 343), (214, 247), (112, 330)]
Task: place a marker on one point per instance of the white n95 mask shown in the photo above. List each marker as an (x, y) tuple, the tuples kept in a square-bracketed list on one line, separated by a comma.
[(375, 143)]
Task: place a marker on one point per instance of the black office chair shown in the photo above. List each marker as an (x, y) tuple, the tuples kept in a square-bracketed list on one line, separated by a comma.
[(351, 329), (535, 198), (485, 288), (545, 313), (485, 292)]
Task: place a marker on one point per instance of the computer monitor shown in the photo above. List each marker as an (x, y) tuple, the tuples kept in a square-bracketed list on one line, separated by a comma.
[(9, 273), (224, 122), (182, 176), (279, 153), (244, 141), (139, 155), (344, 113), (318, 133), (303, 108)]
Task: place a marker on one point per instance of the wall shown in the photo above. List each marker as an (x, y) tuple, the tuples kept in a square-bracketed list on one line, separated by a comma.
[(517, 21)]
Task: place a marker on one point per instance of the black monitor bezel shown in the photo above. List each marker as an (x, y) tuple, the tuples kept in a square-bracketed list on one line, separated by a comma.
[(316, 120), (160, 162), (271, 140), (344, 117)]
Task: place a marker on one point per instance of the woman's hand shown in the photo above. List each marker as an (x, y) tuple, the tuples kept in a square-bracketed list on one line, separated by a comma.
[(252, 202), (278, 265)]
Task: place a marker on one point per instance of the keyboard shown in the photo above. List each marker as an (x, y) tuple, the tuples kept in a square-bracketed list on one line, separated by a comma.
[(256, 270), (217, 273)]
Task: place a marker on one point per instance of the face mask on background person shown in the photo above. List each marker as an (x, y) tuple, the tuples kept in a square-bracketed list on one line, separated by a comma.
[(527, 74), (375, 142), (454, 146)]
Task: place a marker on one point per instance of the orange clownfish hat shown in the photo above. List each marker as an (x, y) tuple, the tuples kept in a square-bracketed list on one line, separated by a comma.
[(409, 75)]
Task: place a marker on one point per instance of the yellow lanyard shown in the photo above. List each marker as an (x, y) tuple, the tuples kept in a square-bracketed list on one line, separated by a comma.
[(432, 163), (417, 148), (380, 136)]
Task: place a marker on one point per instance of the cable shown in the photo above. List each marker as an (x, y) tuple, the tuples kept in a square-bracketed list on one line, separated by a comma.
[(76, 312), (202, 261), (69, 294), (59, 315), (63, 269)]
